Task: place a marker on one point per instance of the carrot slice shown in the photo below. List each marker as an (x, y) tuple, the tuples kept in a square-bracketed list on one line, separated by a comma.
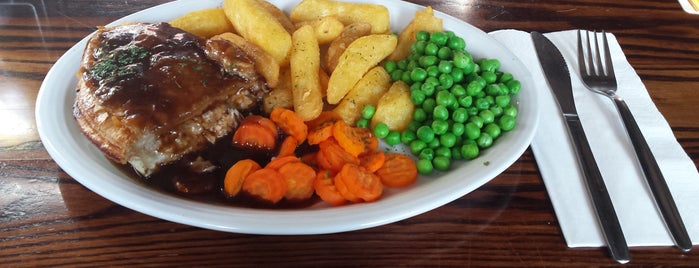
[(321, 128), (288, 147), (324, 118), (324, 186), (356, 183), (257, 132), (371, 143), (372, 161), (332, 157), (299, 180), (398, 170), (265, 184), (290, 123), (236, 174), (348, 138), (278, 162)]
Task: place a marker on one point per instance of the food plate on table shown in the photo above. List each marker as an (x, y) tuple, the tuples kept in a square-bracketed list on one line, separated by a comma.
[(87, 164)]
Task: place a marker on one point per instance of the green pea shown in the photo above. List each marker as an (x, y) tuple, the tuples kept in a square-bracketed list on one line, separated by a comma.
[(445, 81), (473, 88), (381, 130), (469, 151), (489, 77), (439, 38), (429, 104), (417, 97), (392, 138), (368, 111), (402, 64), (422, 36), (428, 60), (407, 136), (433, 144), (459, 115), (472, 131), (418, 47), (477, 120), (412, 64), (456, 43), (440, 127), (510, 110), (390, 66), (424, 166), (362, 122), (458, 129), (493, 90), (440, 112), (414, 125), (502, 101), (506, 122), (396, 75), (469, 67), (493, 130), (431, 49), (444, 53), (426, 153), (484, 141), (514, 86), (465, 101), (416, 146), (496, 110), (405, 77), (490, 65), (427, 88), (458, 91), (425, 133), (441, 163), (447, 139), (445, 98), (487, 116), (415, 86), (418, 74), (505, 77), (419, 115), (456, 153), (457, 75), (482, 104), (442, 151), (445, 66)]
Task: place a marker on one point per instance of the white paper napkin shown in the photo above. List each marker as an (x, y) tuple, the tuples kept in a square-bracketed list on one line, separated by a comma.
[(639, 218)]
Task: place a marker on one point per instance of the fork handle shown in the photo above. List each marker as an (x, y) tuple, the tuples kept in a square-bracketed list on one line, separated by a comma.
[(654, 178)]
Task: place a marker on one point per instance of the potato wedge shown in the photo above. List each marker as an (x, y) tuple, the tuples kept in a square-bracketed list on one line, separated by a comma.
[(368, 90), (326, 28), (348, 13), (204, 23), (423, 20), (360, 56), (395, 108), (279, 15), (253, 22), (305, 67), (265, 64), (347, 36), (281, 95)]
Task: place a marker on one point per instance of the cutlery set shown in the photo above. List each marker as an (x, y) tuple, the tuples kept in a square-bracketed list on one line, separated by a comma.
[(599, 77)]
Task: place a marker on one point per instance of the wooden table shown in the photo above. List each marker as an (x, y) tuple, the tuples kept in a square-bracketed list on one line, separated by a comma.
[(49, 219)]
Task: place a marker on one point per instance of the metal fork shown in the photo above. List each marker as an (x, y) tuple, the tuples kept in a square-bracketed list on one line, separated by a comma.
[(599, 77)]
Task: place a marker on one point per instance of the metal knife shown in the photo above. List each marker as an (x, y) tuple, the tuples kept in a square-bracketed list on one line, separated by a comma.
[(558, 77)]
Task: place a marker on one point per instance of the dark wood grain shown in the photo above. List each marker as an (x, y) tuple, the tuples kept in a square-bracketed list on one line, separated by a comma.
[(49, 219)]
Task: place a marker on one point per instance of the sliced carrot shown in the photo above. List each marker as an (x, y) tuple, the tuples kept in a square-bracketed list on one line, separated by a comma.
[(278, 162), (398, 170), (324, 118), (288, 147), (256, 132), (332, 157), (356, 183), (299, 180), (324, 186), (348, 138), (372, 161), (265, 184), (371, 143), (236, 174), (290, 123), (320, 133)]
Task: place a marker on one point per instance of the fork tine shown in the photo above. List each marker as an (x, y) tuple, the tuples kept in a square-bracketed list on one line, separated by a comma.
[(609, 67), (581, 57), (590, 59)]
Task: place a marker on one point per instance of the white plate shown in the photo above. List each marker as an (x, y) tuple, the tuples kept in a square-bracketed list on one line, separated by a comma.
[(84, 162)]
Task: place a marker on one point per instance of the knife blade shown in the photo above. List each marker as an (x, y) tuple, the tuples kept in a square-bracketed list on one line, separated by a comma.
[(558, 77)]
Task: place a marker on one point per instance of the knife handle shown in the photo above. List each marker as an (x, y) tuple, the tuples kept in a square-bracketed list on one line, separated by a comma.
[(611, 229), (654, 178)]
